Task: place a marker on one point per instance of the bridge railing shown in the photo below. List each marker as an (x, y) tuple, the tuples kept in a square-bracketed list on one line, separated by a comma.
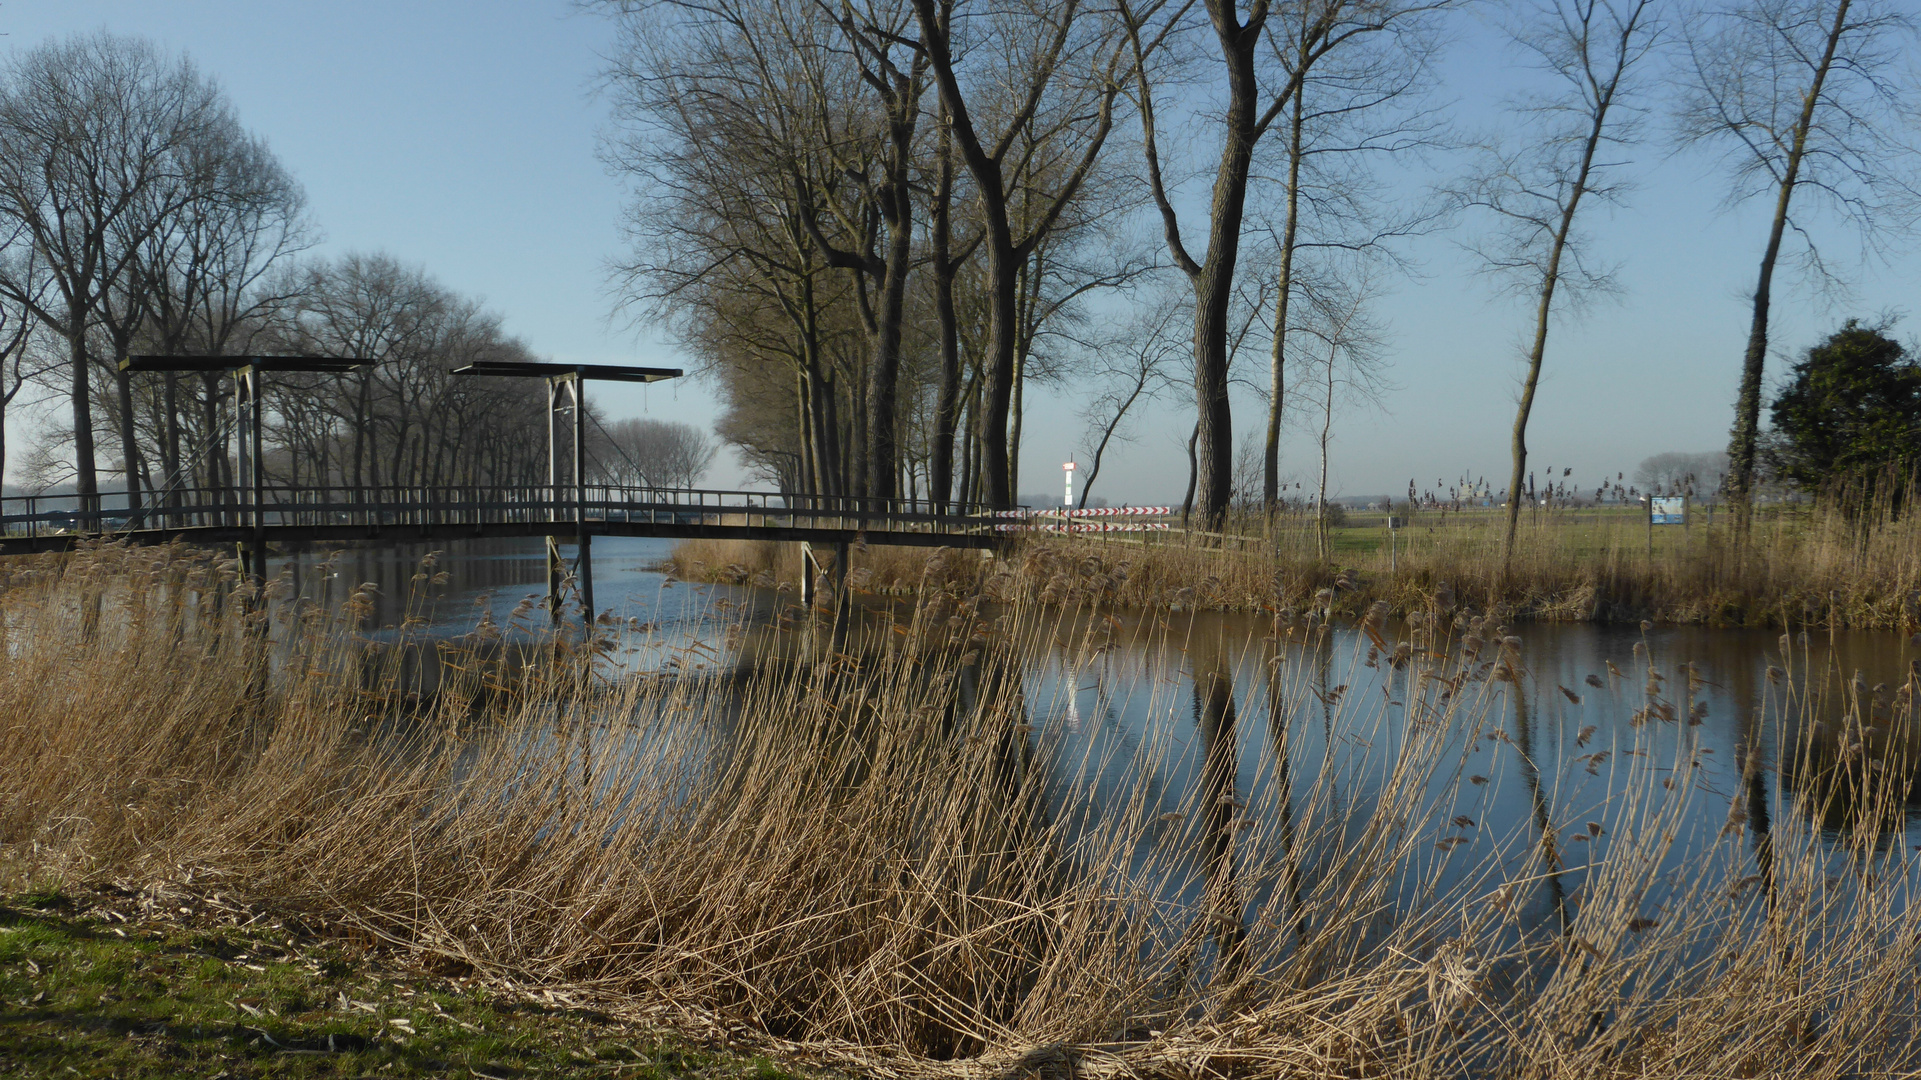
[(110, 512), (374, 508)]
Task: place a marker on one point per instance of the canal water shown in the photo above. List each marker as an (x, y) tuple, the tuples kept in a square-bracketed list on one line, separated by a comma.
[(1558, 732)]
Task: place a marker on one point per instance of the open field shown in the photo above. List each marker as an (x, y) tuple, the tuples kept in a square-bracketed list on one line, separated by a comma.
[(1799, 568), (871, 860)]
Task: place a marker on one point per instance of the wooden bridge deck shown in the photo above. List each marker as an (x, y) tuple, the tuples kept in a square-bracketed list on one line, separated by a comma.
[(293, 515)]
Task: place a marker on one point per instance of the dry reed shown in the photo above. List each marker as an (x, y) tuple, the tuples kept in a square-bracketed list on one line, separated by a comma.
[(1799, 567), (867, 856)]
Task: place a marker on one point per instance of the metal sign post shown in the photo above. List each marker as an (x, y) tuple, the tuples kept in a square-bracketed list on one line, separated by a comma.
[(1665, 510)]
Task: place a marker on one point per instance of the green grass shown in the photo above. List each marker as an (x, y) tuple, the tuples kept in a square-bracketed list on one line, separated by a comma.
[(86, 991)]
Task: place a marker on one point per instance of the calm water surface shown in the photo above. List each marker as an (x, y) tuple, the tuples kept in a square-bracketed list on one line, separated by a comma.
[(1166, 702)]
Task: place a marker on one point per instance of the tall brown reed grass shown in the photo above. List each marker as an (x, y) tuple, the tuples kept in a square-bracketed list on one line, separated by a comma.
[(867, 855), (1798, 567)]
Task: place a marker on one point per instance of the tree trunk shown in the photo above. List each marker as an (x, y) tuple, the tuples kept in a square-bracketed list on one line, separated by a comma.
[(897, 208), (835, 460), (212, 451), (804, 426), (1107, 434), (1747, 404), (86, 479), (170, 447), (1327, 429), (947, 397), (1538, 349), (1213, 280), (1005, 256), (363, 433), (1277, 354), (1014, 415), (129, 442), (1193, 472), (970, 445), (991, 418)]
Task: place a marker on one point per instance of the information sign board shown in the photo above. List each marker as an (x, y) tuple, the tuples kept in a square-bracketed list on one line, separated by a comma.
[(1668, 510)]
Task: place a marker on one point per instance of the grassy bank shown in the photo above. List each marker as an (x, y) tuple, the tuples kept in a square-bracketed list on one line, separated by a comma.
[(1799, 568), (169, 981), (871, 858)]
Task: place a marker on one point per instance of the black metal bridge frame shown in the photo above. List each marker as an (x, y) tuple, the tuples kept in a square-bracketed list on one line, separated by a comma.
[(251, 514), (573, 379), (292, 515), (249, 473)]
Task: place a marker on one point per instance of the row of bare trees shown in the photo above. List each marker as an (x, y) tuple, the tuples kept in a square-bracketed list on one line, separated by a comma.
[(137, 215), (876, 221)]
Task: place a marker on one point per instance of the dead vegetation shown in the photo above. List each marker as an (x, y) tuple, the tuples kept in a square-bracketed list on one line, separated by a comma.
[(1800, 568), (876, 859)]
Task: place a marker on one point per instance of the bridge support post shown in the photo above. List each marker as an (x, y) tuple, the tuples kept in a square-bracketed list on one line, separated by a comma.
[(809, 572), (553, 581), (253, 572), (584, 569), (843, 600)]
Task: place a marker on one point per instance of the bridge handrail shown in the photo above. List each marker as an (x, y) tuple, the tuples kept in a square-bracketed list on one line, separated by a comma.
[(391, 504)]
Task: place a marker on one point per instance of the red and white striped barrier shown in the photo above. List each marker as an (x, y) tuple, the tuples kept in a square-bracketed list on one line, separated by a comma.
[(1095, 526), (1100, 511)]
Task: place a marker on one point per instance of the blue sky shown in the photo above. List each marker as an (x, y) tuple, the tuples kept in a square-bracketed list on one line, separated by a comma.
[(461, 137)]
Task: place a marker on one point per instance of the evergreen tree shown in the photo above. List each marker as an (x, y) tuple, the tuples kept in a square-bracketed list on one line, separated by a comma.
[(1851, 406)]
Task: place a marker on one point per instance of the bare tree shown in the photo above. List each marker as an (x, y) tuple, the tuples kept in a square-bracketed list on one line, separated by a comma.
[(828, 96), (655, 453), (370, 308), (1345, 365), (1801, 96), (1130, 367), (405, 420), (97, 149), (877, 157), (1029, 118), (1703, 472), (214, 277), (1355, 106), (718, 130), (19, 365), (1535, 190), (1255, 94), (945, 259)]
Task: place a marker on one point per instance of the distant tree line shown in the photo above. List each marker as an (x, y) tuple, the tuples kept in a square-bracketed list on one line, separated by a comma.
[(137, 215)]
